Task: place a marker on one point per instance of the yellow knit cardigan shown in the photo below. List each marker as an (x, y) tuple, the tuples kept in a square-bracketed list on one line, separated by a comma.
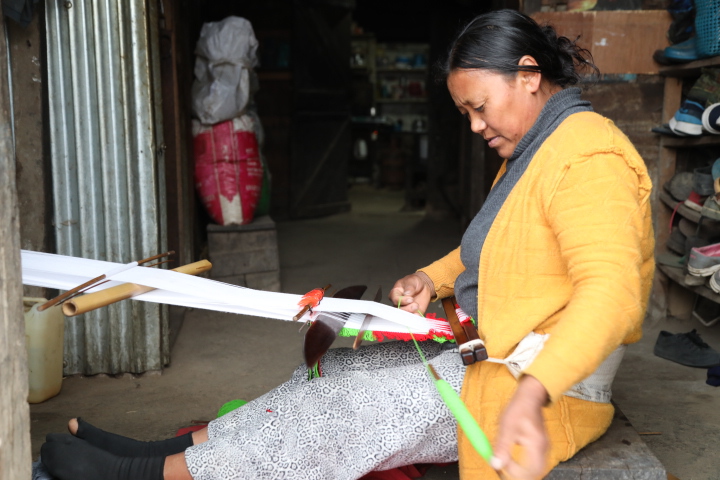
[(570, 254)]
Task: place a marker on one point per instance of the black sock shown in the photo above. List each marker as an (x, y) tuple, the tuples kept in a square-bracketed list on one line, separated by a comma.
[(128, 447), (70, 458)]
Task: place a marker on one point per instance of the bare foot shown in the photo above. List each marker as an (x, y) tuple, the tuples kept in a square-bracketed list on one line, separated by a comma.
[(73, 425)]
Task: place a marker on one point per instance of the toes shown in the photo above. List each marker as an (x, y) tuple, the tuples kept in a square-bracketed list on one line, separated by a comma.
[(73, 425)]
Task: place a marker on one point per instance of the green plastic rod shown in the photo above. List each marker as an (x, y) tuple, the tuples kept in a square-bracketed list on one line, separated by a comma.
[(472, 430), (463, 416)]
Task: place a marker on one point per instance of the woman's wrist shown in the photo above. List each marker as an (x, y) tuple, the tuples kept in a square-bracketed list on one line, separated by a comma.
[(428, 282), (530, 389)]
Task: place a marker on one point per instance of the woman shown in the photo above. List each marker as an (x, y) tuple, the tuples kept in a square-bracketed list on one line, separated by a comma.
[(562, 246), (566, 245)]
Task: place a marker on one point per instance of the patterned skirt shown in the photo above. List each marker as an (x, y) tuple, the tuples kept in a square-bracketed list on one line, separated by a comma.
[(373, 409)]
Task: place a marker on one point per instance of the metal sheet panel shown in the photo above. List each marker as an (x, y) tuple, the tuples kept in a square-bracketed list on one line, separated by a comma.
[(106, 175)]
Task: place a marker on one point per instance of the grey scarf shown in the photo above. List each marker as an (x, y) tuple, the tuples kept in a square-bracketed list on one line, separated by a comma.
[(558, 108)]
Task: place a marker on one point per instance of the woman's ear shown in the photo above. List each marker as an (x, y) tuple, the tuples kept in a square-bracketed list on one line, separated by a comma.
[(530, 80)]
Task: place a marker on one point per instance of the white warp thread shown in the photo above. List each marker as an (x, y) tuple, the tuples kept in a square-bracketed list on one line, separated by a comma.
[(64, 272)]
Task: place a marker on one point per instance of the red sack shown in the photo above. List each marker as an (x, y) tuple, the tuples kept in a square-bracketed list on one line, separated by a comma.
[(228, 170)]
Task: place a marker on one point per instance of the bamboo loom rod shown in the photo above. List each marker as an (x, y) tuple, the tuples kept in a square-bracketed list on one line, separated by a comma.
[(91, 301), (94, 282)]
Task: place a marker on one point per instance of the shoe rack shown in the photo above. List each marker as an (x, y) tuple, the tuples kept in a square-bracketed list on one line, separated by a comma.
[(675, 156)]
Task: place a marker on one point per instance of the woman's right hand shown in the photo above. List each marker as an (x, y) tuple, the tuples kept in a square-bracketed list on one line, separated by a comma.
[(413, 293)]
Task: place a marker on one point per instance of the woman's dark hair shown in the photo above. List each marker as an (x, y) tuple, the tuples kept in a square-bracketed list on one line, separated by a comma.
[(498, 40)]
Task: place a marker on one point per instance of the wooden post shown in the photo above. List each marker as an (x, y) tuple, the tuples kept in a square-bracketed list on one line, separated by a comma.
[(15, 461)]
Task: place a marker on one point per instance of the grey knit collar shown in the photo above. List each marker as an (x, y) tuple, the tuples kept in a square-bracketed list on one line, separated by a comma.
[(558, 107)]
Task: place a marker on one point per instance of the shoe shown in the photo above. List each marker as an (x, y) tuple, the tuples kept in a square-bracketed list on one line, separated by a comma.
[(682, 52), (694, 202), (688, 228), (704, 92), (682, 26), (714, 282), (688, 119), (710, 208), (686, 349), (715, 171), (710, 118), (706, 89), (704, 261), (680, 186), (670, 260), (676, 241), (713, 376), (665, 129), (703, 181)]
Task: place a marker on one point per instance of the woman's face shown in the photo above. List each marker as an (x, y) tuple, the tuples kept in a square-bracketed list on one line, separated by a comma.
[(500, 108)]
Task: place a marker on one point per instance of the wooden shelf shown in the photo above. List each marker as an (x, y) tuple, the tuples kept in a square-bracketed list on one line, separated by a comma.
[(690, 142), (689, 69), (677, 275), (675, 77), (682, 210)]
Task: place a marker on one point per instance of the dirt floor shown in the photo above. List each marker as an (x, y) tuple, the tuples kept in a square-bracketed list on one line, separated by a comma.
[(221, 357)]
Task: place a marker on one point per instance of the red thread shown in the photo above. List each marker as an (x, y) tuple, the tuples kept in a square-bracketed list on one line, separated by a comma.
[(672, 216), (442, 331)]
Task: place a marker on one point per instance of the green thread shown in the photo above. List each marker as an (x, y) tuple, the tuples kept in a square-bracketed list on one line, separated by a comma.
[(368, 336), (400, 300), (314, 372), (417, 347)]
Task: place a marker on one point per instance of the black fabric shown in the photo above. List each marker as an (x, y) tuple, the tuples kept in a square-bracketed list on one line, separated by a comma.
[(560, 106), (67, 457), (128, 447), (713, 376)]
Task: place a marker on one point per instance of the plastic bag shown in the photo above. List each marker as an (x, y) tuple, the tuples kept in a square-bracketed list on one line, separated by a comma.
[(226, 54), (228, 169)]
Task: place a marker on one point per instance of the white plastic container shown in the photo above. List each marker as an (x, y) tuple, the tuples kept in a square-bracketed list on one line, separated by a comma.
[(44, 333)]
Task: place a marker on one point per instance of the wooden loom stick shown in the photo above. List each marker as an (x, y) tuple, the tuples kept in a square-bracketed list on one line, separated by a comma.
[(91, 301), (92, 282)]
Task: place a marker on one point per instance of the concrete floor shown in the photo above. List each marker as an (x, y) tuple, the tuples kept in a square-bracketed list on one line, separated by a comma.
[(220, 357)]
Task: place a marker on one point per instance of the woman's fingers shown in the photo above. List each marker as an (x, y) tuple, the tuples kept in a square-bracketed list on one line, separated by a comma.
[(534, 450), (410, 294), (522, 425)]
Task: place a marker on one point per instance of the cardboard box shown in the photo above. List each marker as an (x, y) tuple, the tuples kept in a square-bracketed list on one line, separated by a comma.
[(621, 41)]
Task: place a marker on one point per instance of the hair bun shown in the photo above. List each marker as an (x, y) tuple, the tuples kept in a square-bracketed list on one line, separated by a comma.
[(498, 40)]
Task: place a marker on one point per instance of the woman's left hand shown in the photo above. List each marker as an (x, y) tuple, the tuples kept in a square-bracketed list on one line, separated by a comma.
[(522, 424)]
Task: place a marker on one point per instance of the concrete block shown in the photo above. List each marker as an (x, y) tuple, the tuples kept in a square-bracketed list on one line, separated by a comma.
[(240, 263), (237, 250), (260, 223), (222, 242)]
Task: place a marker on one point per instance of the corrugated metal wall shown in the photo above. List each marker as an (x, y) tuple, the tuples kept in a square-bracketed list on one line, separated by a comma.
[(106, 148)]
